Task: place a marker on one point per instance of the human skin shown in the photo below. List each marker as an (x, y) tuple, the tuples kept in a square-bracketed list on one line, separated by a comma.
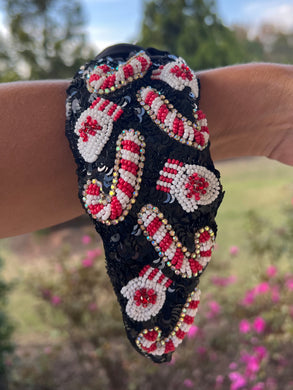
[(249, 110)]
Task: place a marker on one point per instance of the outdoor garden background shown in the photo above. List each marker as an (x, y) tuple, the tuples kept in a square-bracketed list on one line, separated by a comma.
[(60, 325)]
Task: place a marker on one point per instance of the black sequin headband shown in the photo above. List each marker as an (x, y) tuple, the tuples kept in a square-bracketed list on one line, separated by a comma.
[(146, 178)]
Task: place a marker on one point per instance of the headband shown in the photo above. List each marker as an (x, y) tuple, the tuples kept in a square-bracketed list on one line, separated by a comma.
[(147, 181)]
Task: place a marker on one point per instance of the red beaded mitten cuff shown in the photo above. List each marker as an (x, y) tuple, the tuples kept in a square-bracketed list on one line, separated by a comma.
[(147, 181)]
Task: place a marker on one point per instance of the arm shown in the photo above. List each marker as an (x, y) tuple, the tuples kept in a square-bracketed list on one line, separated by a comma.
[(249, 111), (37, 170)]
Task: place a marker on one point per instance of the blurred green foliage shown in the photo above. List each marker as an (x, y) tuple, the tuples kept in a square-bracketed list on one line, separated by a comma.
[(92, 351), (278, 45), (46, 39), (192, 29)]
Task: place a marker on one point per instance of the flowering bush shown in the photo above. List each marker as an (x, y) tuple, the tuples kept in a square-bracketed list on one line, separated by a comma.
[(240, 340)]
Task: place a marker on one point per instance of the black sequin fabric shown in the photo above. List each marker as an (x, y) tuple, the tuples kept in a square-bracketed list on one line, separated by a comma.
[(126, 248)]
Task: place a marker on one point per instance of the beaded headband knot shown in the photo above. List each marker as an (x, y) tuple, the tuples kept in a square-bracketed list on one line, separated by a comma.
[(147, 181)]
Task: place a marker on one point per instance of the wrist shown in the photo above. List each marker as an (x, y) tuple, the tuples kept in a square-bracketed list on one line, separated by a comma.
[(248, 109)]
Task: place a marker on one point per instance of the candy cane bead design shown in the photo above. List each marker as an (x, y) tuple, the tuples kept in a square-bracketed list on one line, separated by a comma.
[(128, 168), (178, 75), (151, 341), (104, 79), (177, 126), (94, 127), (192, 185), (146, 294), (160, 233)]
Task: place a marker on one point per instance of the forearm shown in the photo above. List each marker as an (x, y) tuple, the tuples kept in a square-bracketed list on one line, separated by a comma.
[(37, 170), (249, 111)]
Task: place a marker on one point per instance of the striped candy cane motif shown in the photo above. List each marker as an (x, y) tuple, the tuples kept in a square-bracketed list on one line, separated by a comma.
[(146, 294), (151, 341), (192, 185), (129, 162), (156, 229), (104, 79), (94, 127), (171, 121), (178, 75)]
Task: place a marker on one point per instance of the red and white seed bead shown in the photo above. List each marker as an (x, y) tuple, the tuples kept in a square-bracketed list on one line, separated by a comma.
[(191, 185), (104, 79), (173, 122), (104, 113), (151, 341), (113, 207), (163, 238), (146, 294), (177, 80)]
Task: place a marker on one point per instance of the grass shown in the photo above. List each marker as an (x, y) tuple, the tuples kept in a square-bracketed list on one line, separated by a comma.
[(250, 184), (254, 184)]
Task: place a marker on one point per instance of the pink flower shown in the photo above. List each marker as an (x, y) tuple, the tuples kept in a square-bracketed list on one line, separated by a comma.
[(252, 363), (233, 366), (275, 294), (55, 300), (46, 293), (86, 239), (258, 386), (188, 383), (47, 350), (271, 271), (259, 324), (222, 281), (289, 284), (254, 340), (234, 250), (248, 298), (215, 309), (219, 381), (93, 306), (172, 361), (271, 384), (193, 331), (238, 381), (94, 253), (87, 262), (262, 288), (244, 326), (252, 367), (261, 352), (201, 350)]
